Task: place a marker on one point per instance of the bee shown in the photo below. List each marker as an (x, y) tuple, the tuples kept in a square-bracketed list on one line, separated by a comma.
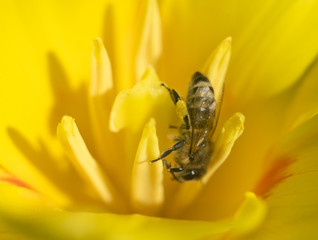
[(193, 149)]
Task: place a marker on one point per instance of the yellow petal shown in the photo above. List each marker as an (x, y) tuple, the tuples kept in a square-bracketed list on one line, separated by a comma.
[(249, 216), (148, 37), (248, 158), (133, 38), (147, 193), (42, 71), (268, 38), (49, 224), (22, 197), (292, 204), (182, 198), (25, 135), (79, 155), (100, 85), (303, 105), (134, 107), (26, 166), (303, 118), (272, 43), (100, 98), (16, 199), (232, 129), (85, 226), (216, 67), (101, 72), (44, 29)]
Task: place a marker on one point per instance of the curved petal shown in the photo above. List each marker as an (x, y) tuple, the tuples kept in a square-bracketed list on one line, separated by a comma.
[(249, 216), (231, 131), (49, 224), (133, 108), (133, 38), (101, 95), (74, 146), (148, 38), (305, 99), (268, 38), (293, 204), (142, 102), (42, 70), (216, 67), (147, 193)]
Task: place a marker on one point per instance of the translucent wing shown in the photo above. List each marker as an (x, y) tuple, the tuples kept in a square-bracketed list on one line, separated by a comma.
[(203, 110)]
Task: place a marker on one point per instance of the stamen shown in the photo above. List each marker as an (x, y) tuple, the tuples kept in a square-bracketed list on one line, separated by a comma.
[(75, 148), (232, 129), (101, 72), (148, 43), (100, 98), (142, 101), (147, 193), (216, 66)]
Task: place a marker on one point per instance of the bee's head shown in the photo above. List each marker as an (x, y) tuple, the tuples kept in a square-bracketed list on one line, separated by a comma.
[(190, 174)]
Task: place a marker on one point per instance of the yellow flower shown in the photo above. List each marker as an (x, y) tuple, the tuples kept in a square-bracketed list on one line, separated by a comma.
[(91, 180)]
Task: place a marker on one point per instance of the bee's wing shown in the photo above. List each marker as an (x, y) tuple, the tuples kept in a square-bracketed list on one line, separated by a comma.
[(217, 113), (199, 135)]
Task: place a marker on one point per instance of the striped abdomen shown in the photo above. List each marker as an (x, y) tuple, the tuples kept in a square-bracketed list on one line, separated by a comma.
[(200, 102)]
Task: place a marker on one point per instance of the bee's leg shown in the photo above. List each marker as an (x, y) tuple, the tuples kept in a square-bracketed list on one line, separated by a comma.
[(182, 111), (177, 169), (170, 150), (166, 164), (173, 170)]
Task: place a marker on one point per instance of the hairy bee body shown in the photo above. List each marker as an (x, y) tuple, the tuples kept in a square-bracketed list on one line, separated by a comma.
[(197, 150), (193, 150)]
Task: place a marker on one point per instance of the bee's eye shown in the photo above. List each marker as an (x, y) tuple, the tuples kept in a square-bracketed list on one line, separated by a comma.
[(191, 174)]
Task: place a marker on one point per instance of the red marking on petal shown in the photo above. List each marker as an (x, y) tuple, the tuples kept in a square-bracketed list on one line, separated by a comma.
[(15, 181), (9, 178), (276, 174)]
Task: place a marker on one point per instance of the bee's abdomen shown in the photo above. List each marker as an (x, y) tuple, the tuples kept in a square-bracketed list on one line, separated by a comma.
[(200, 101)]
